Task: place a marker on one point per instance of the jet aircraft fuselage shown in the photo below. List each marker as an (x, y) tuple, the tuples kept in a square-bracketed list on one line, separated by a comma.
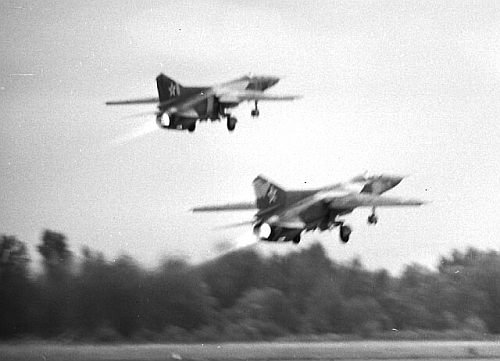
[(284, 214), (180, 107)]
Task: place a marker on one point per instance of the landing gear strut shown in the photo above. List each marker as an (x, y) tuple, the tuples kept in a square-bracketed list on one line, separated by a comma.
[(255, 112)]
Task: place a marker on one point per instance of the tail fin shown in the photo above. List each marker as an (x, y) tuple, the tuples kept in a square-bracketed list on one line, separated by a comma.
[(167, 88), (268, 194)]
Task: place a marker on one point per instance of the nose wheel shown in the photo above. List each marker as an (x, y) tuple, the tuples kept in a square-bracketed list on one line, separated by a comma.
[(372, 218)]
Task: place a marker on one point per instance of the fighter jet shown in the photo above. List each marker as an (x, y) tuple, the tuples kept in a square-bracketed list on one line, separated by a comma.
[(180, 107), (282, 215)]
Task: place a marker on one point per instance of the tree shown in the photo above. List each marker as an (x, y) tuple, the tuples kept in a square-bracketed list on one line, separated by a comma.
[(269, 307), (56, 283), (325, 308), (356, 281), (299, 273), (175, 297), (124, 284), (56, 255), (16, 291), (229, 276), (475, 276), (91, 288)]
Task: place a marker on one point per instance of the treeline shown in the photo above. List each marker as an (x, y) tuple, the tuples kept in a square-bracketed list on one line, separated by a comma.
[(239, 296)]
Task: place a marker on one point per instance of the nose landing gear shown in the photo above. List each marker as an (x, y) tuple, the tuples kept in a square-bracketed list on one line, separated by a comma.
[(255, 112), (372, 218)]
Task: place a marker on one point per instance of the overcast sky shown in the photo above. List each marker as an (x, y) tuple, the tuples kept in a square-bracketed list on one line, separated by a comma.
[(401, 87)]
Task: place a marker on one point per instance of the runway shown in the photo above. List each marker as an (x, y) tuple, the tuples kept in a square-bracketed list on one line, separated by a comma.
[(358, 350)]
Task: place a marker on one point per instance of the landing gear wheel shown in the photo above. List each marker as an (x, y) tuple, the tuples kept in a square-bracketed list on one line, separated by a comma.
[(372, 219), (296, 239), (192, 127), (345, 233), (231, 123)]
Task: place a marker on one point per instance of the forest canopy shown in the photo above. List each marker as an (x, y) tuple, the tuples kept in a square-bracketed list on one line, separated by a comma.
[(241, 295)]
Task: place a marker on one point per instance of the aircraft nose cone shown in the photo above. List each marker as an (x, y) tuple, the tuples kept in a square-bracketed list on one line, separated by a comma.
[(273, 81), (391, 180), (396, 180)]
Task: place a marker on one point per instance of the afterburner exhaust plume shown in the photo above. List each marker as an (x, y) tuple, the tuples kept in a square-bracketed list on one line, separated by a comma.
[(246, 239), (148, 127)]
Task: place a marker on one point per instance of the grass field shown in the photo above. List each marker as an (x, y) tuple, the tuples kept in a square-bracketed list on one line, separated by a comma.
[(359, 350)]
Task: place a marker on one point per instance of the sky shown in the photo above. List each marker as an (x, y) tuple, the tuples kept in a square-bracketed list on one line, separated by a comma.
[(399, 87)]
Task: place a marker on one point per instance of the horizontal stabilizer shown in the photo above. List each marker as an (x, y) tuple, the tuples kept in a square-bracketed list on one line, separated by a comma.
[(241, 206), (154, 100)]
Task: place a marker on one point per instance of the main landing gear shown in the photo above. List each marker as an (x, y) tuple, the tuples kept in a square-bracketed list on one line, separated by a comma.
[(345, 233), (255, 112), (230, 120), (231, 123), (345, 230)]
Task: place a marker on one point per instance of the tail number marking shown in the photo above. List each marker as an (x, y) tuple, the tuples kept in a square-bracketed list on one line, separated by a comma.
[(174, 90)]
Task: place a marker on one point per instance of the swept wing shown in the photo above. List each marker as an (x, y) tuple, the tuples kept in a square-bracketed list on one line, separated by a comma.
[(354, 200), (225, 95), (232, 96), (291, 219)]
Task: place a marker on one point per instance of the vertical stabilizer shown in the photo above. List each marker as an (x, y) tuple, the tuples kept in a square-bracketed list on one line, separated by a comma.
[(167, 88), (268, 194)]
